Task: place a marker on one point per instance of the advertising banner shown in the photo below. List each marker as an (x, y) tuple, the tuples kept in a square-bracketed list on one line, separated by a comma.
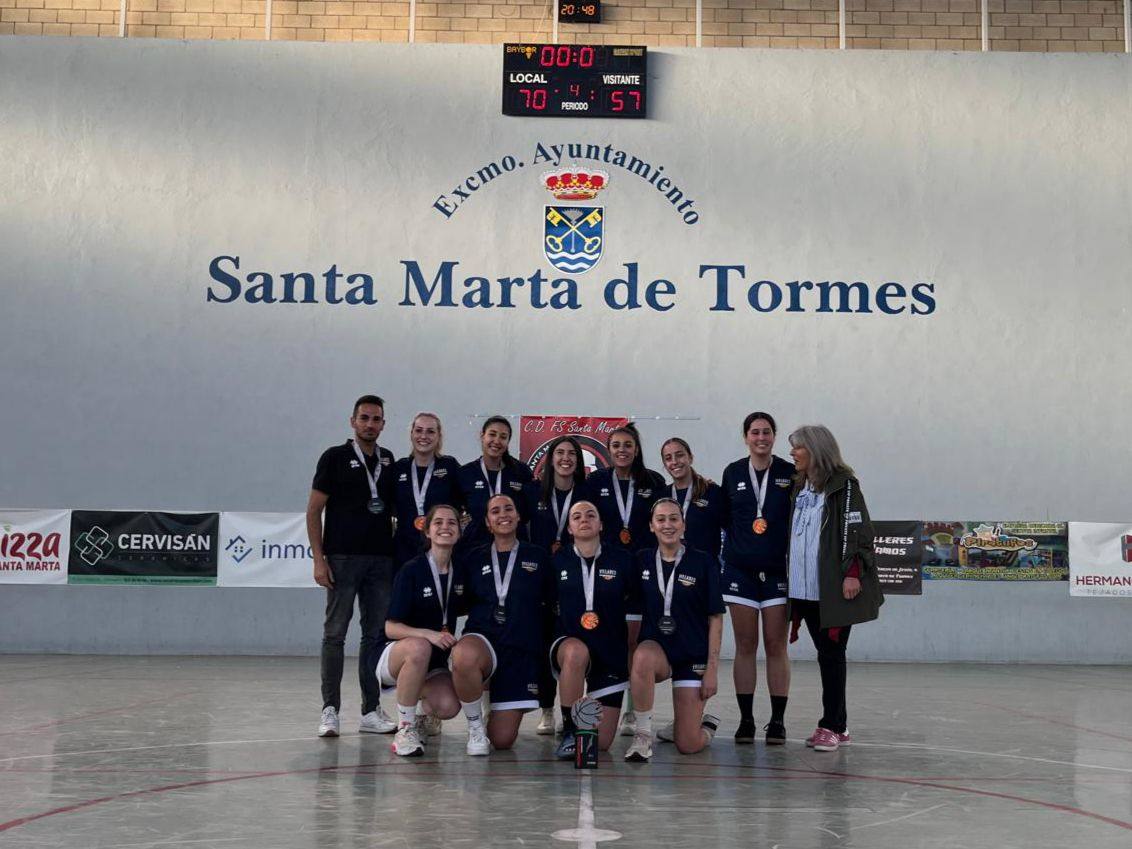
[(1100, 559), (592, 432), (996, 551), (33, 546), (124, 547), (899, 550), (264, 550)]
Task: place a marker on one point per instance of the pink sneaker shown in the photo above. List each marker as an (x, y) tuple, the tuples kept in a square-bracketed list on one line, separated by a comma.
[(842, 739), (825, 740)]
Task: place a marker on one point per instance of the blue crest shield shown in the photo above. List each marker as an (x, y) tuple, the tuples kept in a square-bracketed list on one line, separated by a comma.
[(573, 237)]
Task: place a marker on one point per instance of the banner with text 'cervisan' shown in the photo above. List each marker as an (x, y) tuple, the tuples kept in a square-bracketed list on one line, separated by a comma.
[(124, 547)]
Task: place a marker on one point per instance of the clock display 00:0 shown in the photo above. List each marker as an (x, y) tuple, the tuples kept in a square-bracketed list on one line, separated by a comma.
[(568, 80)]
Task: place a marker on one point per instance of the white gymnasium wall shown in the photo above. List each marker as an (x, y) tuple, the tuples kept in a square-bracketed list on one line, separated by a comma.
[(1002, 182)]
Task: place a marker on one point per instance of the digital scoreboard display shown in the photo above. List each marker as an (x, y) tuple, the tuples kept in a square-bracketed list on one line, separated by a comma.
[(579, 11), (574, 80)]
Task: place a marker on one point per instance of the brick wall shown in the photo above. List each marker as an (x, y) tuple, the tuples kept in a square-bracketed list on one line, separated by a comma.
[(1040, 25)]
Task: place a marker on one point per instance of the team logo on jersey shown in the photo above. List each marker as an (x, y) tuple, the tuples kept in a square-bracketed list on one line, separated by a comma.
[(529, 565), (699, 668), (427, 592), (486, 570), (562, 575), (573, 237), (740, 486), (607, 574), (734, 587), (515, 485), (440, 473), (645, 574), (386, 461), (701, 502), (479, 484), (686, 580), (604, 492), (646, 493), (354, 464), (782, 482), (533, 689), (402, 478)]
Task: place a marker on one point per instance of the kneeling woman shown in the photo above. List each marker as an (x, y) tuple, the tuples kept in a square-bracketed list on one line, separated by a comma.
[(420, 625), (507, 591), (595, 592), (681, 632)]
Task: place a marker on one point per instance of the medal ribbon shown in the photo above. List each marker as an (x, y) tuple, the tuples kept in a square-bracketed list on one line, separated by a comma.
[(502, 585), (376, 476), (666, 591), (759, 491), (560, 516), (588, 576), (687, 499), (420, 490), (623, 508), (441, 597), (487, 477)]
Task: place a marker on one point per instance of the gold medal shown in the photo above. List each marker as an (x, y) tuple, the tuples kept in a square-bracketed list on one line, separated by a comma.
[(418, 523), (759, 525), (625, 536), (444, 630), (555, 546), (590, 620)]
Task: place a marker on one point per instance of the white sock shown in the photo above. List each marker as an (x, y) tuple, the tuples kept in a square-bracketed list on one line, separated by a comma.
[(407, 715), (473, 712), (644, 722)]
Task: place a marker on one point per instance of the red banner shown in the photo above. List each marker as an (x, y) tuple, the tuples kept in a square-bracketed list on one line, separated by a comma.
[(592, 432)]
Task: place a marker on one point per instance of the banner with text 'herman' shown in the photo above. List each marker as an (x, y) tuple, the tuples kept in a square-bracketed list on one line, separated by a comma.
[(33, 546), (125, 547), (1100, 559)]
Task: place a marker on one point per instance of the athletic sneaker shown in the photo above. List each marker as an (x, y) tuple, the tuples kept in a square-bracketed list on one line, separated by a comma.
[(745, 733), (546, 723), (328, 724), (826, 740), (430, 725), (710, 724), (667, 733), (842, 739), (377, 722), (407, 743), (628, 726), (641, 749), (567, 748), (478, 744), (775, 733)]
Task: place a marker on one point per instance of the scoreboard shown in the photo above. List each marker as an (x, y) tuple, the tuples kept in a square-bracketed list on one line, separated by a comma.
[(574, 80)]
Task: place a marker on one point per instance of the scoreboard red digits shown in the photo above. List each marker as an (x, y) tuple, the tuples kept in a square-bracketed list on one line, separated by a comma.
[(567, 80)]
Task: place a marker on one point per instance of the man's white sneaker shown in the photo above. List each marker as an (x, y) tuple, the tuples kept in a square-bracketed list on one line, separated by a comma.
[(641, 749), (546, 723), (377, 722), (328, 724), (628, 724), (478, 744), (407, 743)]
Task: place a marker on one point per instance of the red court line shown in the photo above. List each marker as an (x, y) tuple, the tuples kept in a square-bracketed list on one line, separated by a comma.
[(1061, 722), (32, 729), (636, 775)]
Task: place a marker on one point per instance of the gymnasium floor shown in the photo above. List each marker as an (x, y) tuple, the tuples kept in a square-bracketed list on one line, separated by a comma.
[(99, 752)]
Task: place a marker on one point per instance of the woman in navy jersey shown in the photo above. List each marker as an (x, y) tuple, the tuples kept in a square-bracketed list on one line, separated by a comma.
[(702, 502), (758, 491), (596, 591), (495, 472), (423, 479), (681, 633), (420, 628), (561, 483), (507, 591), (624, 494)]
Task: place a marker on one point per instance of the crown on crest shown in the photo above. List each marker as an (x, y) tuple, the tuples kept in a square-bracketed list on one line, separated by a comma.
[(572, 184)]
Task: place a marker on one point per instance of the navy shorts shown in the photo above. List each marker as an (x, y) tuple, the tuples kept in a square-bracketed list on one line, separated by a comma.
[(513, 682), (601, 680), (753, 588)]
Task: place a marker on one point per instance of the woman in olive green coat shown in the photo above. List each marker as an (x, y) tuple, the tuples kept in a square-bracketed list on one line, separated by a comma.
[(832, 577)]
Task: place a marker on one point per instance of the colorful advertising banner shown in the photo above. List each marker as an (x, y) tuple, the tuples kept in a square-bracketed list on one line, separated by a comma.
[(996, 551), (123, 547), (899, 550), (1100, 559), (33, 546), (592, 432), (264, 550)]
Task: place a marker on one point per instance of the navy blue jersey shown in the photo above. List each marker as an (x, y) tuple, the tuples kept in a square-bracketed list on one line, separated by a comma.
[(705, 520), (744, 548), (414, 601), (696, 596), (601, 485), (616, 594), (349, 527), (529, 597), (543, 529), (443, 488), (476, 491)]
